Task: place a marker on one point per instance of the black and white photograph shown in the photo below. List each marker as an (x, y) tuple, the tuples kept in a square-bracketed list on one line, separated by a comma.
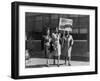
[(51, 40), (56, 40)]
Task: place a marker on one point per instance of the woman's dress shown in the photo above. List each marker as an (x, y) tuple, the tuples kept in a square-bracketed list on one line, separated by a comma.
[(56, 44)]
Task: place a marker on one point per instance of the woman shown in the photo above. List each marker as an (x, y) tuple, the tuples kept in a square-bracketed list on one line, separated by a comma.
[(57, 45), (67, 47), (47, 40)]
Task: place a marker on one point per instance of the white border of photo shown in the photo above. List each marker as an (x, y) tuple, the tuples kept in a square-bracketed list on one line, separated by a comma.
[(54, 70)]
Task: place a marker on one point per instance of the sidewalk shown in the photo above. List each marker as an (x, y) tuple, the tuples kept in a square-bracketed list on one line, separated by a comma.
[(41, 62)]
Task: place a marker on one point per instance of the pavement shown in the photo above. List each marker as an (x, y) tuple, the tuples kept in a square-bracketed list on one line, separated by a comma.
[(41, 62)]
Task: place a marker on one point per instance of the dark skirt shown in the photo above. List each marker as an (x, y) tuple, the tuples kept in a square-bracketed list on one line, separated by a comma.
[(47, 51)]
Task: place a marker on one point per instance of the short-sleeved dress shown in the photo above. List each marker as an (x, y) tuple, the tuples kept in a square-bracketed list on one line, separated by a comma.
[(57, 45)]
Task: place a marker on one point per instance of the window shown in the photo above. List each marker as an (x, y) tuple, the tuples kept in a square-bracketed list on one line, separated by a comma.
[(75, 30), (83, 30)]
